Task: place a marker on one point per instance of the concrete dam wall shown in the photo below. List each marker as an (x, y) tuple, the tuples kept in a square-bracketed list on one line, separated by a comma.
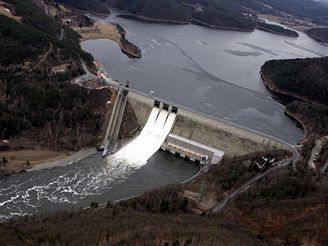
[(204, 129)]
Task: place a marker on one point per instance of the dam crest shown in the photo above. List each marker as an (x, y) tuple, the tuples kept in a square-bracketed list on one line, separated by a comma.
[(179, 131)]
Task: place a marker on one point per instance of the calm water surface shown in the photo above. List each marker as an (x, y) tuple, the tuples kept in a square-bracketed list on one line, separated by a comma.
[(213, 71)]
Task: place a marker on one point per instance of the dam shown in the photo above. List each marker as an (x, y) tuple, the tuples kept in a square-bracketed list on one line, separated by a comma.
[(122, 174), (184, 132)]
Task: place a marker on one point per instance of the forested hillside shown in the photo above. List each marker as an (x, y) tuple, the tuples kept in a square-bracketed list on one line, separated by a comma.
[(306, 78), (232, 14), (38, 103), (211, 13), (158, 9), (319, 34), (277, 29), (87, 5)]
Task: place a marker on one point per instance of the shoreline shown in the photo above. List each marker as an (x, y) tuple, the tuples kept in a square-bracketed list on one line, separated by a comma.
[(317, 39), (61, 159), (176, 22), (290, 23), (276, 33), (151, 20), (113, 32), (21, 160), (200, 23), (271, 88), (302, 124), (75, 157)]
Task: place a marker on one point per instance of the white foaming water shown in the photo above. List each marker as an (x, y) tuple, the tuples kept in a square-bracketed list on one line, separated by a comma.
[(29, 193), (149, 141)]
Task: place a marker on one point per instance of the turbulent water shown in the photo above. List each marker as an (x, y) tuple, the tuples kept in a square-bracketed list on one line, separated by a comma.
[(92, 179), (150, 139)]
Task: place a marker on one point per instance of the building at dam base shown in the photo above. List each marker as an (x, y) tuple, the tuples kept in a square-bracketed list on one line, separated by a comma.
[(193, 135), (192, 150)]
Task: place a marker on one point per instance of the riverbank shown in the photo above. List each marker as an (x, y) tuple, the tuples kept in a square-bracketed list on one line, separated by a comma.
[(67, 160), (21, 161), (18, 161)]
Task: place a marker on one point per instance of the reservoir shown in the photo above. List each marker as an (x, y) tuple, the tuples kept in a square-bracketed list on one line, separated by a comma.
[(209, 70)]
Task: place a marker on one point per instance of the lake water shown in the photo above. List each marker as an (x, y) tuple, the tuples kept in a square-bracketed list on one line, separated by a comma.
[(212, 71)]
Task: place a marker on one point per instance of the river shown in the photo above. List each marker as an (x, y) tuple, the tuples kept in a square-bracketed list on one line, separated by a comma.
[(92, 179)]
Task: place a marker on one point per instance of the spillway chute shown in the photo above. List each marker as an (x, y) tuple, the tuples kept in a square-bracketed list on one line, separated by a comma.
[(149, 141)]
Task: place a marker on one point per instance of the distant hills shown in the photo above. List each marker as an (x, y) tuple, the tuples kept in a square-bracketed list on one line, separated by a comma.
[(229, 14)]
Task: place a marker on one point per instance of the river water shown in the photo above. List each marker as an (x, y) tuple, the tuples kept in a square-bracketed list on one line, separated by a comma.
[(212, 71), (92, 179)]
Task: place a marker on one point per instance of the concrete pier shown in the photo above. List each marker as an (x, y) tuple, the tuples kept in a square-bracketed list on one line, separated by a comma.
[(115, 122)]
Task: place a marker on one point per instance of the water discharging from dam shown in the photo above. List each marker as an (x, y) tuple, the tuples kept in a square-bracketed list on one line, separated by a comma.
[(138, 152), (131, 171)]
